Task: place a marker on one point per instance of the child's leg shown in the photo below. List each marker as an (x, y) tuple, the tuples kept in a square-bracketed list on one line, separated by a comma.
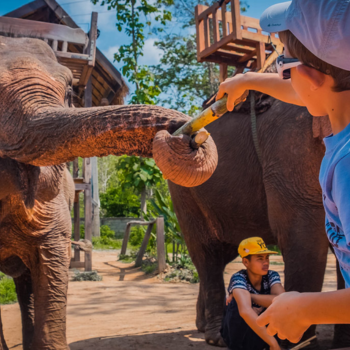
[(236, 333)]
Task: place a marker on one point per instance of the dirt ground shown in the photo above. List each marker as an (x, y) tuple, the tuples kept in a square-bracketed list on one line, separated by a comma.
[(129, 310)]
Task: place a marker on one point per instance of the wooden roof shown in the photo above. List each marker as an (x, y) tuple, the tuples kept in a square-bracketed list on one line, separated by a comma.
[(107, 81)]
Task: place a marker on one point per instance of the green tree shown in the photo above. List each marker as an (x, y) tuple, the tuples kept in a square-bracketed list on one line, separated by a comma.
[(133, 16), (139, 174)]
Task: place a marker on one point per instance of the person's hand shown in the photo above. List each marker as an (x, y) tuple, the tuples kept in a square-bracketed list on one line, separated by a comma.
[(234, 88), (285, 317), (229, 299), (275, 346)]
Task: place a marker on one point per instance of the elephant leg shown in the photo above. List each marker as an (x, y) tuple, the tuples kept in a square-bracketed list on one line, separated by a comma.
[(200, 319), (211, 298), (3, 345), (299, 229), (341, 331), (26, 302), (50, 282)]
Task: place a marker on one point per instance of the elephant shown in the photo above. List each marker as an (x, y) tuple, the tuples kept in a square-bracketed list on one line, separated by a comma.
[(277, 198), (40, 131)]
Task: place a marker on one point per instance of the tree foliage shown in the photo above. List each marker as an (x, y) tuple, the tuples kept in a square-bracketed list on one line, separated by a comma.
[(133, 16)]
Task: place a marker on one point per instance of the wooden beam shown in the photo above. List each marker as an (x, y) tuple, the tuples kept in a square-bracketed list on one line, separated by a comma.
[(24, 27), (144, 244), (93, 39), (236, 19), (247, 57), (160, 244), (261, 55), (126, 238), (76, 226), (223, 72), (76, 264)]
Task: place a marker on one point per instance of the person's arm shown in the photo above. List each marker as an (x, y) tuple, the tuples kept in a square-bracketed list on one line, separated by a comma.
[(291, 314), (266, 300), (244, 304), (267, 83)]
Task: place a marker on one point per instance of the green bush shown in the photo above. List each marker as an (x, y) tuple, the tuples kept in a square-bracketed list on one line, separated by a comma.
[(7, 290), (106, 243), (136, 235), (86, 276), (105, 231), (118, 203)]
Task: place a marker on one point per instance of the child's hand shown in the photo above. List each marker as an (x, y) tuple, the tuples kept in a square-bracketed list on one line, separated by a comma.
[(229, 299), (285, 317), (234, 88)]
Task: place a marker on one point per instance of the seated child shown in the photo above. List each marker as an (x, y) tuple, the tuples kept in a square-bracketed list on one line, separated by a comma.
[(250, 291)]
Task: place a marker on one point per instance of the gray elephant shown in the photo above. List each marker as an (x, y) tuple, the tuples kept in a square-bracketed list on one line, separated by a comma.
[(39, 132), (278, 198)]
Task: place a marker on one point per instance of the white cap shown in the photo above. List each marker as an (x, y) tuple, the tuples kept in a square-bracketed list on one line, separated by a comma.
[(322, 26)]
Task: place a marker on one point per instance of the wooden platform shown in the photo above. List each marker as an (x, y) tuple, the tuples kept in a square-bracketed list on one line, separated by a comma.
[(226, 37), (73, 48)]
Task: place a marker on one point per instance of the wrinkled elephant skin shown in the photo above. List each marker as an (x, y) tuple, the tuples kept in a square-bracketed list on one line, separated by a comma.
[(39, 131), (279, 200)]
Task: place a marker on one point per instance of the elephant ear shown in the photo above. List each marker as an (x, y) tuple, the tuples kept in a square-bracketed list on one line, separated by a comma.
[(321, 127)]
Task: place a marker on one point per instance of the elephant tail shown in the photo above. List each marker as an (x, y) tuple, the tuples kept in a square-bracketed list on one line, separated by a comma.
[(3, 345)]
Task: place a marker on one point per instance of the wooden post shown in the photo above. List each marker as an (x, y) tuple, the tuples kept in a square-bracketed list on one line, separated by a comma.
[(236, 20), (87, 192), (200, 32), (142, 250), (75, 168), (160, 244), (224, 20), (223, 72), (96, 199), (76, 226), (88, 227), (260, 55), (126, 238)]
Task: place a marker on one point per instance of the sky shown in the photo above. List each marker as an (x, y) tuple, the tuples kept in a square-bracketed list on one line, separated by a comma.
[(110, 39)]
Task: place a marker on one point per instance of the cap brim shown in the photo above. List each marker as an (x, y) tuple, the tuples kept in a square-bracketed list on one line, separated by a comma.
[(273, 19), (266, 252)]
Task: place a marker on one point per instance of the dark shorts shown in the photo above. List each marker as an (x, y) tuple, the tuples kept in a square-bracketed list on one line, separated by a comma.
[(236, 333)]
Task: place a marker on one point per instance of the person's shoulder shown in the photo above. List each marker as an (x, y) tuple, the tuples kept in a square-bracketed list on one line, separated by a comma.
[(343, 163), (273, 277), (242, 274)]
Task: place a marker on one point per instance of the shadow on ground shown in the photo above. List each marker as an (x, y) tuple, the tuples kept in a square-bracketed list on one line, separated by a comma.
[(156, 341)]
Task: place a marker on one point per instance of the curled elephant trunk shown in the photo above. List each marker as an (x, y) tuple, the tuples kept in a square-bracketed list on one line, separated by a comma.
[(184, 160)]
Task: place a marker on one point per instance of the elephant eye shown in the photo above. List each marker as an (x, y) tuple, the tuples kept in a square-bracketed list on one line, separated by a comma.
[(69, 96)]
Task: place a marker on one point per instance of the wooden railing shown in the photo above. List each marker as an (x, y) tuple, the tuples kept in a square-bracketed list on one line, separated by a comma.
[(224, 28)]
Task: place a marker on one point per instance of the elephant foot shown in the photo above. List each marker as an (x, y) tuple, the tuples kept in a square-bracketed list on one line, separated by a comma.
[(201, 324), (215, 339)]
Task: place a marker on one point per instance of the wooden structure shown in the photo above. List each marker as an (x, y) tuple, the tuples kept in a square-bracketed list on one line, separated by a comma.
[(96, 82), (226, 37), (107, 82), (159, 222)]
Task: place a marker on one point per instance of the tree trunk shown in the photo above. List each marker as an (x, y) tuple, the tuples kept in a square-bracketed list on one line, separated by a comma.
[(143, 202)]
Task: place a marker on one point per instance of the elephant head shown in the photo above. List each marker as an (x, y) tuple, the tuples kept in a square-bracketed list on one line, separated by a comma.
[(39, 127)]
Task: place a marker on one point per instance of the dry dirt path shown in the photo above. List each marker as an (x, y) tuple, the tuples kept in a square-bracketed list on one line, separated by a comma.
[(129, 310)]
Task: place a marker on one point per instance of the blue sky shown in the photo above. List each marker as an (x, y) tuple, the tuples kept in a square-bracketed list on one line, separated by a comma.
[(110, 39)]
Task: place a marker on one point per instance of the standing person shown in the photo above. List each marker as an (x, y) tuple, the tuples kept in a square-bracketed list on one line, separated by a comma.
[(313, 72), (250, 292)]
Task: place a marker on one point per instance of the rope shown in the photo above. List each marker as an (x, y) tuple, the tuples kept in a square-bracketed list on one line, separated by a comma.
[(254, 126)]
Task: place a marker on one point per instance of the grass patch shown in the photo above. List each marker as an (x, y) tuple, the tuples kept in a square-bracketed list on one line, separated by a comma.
[(102, 243), (182, 271), (86, 276), (7, 290), (276, 263), (128, 258), (149, 267)]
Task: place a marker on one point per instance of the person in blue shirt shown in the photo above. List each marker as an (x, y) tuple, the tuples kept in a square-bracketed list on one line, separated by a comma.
[(250, 292), (313, 72)]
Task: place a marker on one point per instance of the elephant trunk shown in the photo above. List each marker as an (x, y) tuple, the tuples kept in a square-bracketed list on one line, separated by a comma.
[(53, 136)]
